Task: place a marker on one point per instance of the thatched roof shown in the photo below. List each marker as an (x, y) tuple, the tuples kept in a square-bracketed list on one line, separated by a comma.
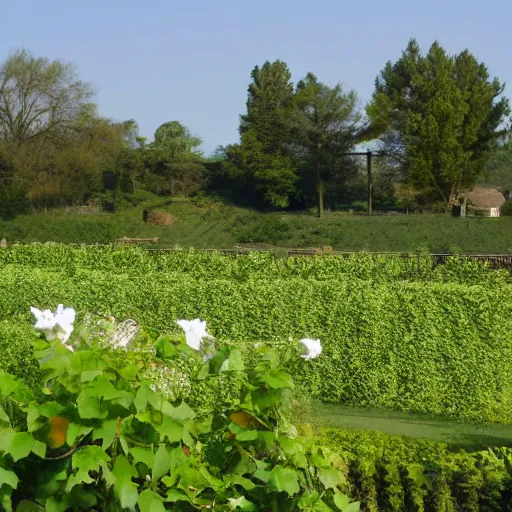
[(485, 197)]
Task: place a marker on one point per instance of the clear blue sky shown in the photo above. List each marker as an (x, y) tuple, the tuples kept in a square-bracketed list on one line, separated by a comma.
[(161, 60)]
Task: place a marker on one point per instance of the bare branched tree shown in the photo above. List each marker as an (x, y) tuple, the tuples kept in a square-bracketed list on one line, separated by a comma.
[(40, 98)]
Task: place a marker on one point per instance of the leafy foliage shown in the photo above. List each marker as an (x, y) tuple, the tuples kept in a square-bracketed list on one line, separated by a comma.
[(106, 432), (435, 347), (398, 473), (440, 117)]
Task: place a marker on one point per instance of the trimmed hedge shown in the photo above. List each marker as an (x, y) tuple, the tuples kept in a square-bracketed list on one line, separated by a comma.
[(392, 473), (428, 347), (258, 265), (16, 352)]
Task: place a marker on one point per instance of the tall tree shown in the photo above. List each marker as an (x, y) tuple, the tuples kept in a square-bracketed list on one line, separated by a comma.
[(40, 98), (174, 161), (326, 125), (439, 116), (262, 163)]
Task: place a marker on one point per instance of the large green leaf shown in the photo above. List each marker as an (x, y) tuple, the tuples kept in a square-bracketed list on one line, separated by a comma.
[(21, 445), (268, 398), (141, 399), (248, 435), (3, 416), (247, 484), (84, 461), (177, 458), (162, 464), (8, 477), (169, 429), (242, 504), (129, 372), (89, 406), (150, 502), (144, 455), (53, 505), (175, 495), (284, 480), (330, 477), (181, 414), (39, 449), (277, 379), (125, 489), (75, 431), (343, 503), (29, 506), (106, 432), (235, 361)]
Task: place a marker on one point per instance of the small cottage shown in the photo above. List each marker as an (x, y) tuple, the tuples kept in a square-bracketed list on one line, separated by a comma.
[(484, 201)]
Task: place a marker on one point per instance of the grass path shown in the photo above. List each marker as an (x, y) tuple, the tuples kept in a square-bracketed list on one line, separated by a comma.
[(464, 435)]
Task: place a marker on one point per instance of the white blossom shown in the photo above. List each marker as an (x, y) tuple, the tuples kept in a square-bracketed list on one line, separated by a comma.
[(313, 348), (195, 331), (57, 325), (45, 320)]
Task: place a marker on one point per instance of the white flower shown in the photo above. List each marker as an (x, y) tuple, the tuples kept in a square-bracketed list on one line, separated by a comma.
[(257, 345), (64, 319), (313, 347), (58, 325), (195, 331), (44, 319)]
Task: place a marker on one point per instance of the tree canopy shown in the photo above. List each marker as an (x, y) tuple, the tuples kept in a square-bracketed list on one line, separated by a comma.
[(441, 121), (440, 116)]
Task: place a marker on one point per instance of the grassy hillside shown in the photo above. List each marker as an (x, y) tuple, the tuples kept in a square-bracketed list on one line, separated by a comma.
[(210, 224)]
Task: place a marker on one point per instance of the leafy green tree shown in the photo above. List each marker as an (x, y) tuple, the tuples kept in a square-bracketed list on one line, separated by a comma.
[(177, 140), (272, 176), (326, 126), (262, 163), (439, 116), (174, 161), (498, 170)]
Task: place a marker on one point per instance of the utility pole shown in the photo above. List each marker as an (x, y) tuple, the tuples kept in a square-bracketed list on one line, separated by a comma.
[(369, 166), (369, 155)]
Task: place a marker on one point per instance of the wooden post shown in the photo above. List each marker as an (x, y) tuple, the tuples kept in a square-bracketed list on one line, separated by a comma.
[(369, 166)]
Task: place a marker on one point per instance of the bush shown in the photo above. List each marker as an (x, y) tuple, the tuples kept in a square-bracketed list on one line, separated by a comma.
[(268, 230), (111, 433), (429, 347), (392, 473), (385, 268), (17, 354)]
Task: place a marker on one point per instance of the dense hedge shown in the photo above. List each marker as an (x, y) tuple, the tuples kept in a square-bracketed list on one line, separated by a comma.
[(258, 265), (391, 473), (16, 352), (429, 347)]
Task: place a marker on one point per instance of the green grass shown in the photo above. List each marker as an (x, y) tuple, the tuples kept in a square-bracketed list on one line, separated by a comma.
[(210, 224), (455, 434)]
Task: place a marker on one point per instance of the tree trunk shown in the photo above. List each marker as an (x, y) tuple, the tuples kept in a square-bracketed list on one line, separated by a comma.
[(320, 199)]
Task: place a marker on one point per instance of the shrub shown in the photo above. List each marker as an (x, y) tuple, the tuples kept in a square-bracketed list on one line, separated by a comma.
[(110, 433), (429, 347), (392, 473), (269, 230), (17, 354)]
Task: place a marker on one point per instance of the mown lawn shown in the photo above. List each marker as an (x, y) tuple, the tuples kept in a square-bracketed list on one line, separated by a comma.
[(456, 434), (210, 224)]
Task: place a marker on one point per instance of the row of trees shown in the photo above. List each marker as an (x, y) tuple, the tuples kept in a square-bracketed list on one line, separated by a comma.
[(55, 149), (438, 119)]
